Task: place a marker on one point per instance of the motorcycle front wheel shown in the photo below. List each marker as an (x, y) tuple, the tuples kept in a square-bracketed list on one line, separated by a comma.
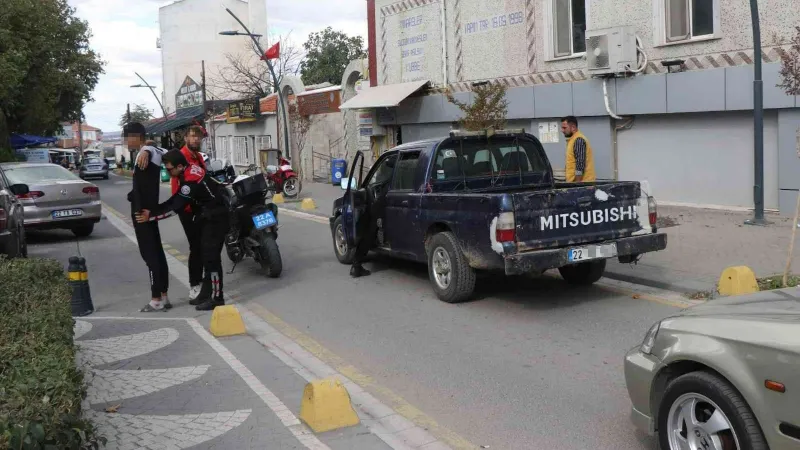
[(270, 256), (291, 187)]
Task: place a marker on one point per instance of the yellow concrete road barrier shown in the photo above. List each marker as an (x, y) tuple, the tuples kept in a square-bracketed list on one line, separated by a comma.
[(278, 198), (326, 406), (226, 321), (737, 280), (308, 204)]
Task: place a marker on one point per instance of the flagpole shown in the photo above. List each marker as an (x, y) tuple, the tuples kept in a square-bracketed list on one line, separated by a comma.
[(281, 100)]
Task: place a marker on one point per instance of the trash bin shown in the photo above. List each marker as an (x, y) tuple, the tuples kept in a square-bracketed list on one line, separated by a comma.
[(338, 171)]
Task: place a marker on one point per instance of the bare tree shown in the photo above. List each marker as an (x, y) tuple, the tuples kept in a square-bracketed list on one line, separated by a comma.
[(790, 83), (300, 126), (245, 75)]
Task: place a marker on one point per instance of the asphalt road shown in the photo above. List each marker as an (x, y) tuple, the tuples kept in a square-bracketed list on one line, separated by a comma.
[(529, 364)]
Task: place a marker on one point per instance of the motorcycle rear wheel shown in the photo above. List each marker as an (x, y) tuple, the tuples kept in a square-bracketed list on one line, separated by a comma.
[(291, 187), (270, 257)]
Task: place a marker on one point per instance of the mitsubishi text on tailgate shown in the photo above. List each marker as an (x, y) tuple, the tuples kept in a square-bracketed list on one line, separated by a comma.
[(488, 201)]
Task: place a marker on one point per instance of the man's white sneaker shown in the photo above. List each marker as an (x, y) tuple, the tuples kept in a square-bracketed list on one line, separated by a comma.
[(194, 291)]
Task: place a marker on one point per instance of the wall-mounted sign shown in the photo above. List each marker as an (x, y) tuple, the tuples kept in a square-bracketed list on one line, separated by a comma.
[(243, 111), (319, 103), (189, 95), (494, 36), (412, 41), (549, 132), (365, 122)]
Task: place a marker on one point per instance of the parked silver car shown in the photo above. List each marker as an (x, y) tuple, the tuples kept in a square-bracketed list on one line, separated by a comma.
[(724, 375), (94, 167), (56, 198)]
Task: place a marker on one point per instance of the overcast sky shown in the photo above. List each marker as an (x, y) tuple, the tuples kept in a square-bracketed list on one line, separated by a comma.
[(125, 32)]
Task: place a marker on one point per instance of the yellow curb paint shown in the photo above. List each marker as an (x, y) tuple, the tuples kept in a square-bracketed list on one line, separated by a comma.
[(173, 251), (226, 321), (326, 406), (166, 246), (182, 258), (278, 198), (397, 403), (737, 280)]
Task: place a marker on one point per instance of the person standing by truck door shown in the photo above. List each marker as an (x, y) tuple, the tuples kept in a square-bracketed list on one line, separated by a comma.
[(191, 227), (579, 157)]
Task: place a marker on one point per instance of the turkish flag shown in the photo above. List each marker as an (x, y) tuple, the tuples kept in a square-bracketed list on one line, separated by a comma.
[(273, 52)]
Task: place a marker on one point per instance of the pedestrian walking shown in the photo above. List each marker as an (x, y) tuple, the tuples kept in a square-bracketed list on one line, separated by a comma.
[(579, 157), (210, 205), (144, 195), (191, 228)]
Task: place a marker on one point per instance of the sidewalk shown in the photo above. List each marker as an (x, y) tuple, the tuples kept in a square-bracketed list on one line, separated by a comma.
[(701, 244), (161, 381)]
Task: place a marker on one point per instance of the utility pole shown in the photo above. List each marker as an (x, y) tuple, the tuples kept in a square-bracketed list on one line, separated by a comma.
[(129, 113), (80, 134), (205, 107), (758, 122)]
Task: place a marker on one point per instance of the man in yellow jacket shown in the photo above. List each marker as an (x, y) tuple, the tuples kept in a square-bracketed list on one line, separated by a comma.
[(579, 158)]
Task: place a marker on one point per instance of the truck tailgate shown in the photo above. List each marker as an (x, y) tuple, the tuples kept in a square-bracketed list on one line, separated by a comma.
[(581, 214)]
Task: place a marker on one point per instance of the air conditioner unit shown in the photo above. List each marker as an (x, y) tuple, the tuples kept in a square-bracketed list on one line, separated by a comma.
[(611, 51)]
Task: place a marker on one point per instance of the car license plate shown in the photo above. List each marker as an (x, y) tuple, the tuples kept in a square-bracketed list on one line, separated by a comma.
[(592, 252), (264, 220), (67, 213)]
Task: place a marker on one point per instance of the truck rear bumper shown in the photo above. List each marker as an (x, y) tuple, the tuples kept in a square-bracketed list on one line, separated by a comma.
[(541, 260)]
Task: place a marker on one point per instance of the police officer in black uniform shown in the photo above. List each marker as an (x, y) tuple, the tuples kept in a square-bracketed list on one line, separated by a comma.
[(210, 204)]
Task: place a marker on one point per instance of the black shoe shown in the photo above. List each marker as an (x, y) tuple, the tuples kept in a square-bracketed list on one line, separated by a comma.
[(357, 270), (209, 305), (200, 300)]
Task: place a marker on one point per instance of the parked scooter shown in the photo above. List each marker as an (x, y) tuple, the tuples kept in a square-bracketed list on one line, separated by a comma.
[(281, 178), (253, 219)]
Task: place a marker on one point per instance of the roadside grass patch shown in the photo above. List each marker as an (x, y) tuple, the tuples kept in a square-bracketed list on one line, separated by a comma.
[(776, 282), (41, 387)]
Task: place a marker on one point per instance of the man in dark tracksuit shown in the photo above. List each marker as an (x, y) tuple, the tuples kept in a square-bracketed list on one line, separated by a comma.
[(191, 227), (210, 206), (144, 195)]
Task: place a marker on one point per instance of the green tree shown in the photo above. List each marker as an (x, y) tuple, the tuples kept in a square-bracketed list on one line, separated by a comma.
[(488, 109), (138, 114), (328, 53), (47, 70)]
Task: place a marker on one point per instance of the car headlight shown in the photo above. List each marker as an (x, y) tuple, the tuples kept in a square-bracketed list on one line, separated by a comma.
[(650, 339)]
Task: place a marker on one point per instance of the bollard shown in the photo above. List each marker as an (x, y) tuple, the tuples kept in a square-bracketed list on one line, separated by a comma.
[(79, 282)]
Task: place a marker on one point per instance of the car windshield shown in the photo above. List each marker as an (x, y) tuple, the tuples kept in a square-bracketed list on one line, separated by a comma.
[(35, 174), (94, 161)]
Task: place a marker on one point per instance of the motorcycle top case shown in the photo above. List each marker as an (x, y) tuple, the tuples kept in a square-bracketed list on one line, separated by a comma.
[(255, 185), (222, 175)]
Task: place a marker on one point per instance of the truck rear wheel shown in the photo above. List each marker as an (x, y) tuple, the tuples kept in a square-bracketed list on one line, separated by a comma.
[(583, 274), (452, 278)]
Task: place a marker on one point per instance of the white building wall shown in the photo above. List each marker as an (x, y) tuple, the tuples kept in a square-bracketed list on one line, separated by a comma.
[(190, 34)]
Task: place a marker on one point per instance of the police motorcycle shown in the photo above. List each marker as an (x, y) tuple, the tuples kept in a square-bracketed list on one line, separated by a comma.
[(253, 219)]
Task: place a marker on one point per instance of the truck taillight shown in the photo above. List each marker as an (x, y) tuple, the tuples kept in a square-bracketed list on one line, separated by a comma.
[(506, 228), (652, 211)]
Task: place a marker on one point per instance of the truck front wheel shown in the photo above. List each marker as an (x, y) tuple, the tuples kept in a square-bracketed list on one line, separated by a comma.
[(583, 274), (452, 278)]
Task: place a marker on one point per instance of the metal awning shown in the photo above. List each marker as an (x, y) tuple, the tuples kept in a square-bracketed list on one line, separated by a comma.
[(181, 118), (385, 96)]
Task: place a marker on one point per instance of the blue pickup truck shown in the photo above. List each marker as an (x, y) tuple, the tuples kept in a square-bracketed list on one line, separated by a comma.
[(488, 201)]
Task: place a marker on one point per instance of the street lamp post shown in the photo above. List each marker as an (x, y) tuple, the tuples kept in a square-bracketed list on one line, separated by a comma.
[(271, 71), (149, 86), (758, 122)]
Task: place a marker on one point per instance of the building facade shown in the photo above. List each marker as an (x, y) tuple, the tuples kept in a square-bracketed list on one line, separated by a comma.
[(70, 137), (684, 122), (189, 35)]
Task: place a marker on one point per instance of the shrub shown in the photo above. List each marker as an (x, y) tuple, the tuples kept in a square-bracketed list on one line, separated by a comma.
[(41, 387)]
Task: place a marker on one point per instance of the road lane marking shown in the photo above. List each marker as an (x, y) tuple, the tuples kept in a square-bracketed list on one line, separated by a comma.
[(388, 432), (178, 270)]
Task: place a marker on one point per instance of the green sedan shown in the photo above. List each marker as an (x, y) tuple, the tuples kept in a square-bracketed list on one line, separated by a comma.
[(724, 375)]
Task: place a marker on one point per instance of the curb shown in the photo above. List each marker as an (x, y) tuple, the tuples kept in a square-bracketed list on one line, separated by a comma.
[(685, 287)]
